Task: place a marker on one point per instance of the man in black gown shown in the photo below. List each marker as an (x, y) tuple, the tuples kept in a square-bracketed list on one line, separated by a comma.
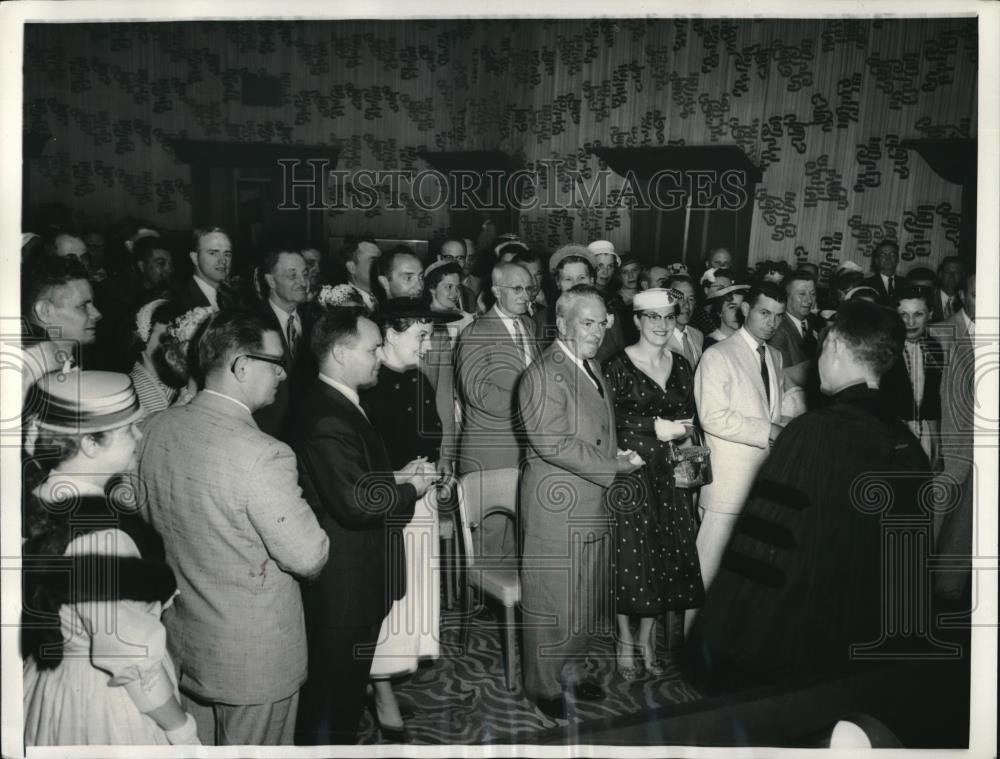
[(801, 579)]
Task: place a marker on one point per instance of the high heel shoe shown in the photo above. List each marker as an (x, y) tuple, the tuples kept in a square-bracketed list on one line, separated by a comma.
[(389, 733), (655, 667), (629, 672)]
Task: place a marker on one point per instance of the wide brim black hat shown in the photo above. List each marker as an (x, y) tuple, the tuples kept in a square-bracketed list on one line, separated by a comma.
[(414, 308)]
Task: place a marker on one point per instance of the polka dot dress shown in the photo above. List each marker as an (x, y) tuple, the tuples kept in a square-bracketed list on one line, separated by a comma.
[(655, 559)]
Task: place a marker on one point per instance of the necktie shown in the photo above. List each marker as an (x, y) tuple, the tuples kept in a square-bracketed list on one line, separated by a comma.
[(949, 306), (808, 342), (915, 367), (590, 373), (522, 344), (293, 336), (889, 289), (764, 374)]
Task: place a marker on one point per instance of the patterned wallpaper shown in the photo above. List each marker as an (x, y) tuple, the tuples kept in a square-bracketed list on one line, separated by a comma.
[(821, 105)]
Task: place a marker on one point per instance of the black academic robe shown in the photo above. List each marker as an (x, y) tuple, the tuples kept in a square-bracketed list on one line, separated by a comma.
[(801, 578)]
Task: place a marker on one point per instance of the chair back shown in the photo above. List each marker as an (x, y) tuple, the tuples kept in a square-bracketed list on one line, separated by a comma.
[(484, 494)]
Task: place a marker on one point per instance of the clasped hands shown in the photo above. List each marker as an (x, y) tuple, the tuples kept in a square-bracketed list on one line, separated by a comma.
[(422, 474)]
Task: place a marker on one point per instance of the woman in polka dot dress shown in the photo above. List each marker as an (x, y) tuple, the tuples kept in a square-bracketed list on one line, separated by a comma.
[(656, 563)]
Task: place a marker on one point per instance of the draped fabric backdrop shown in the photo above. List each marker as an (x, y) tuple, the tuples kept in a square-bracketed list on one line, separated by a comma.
[(820, 105)]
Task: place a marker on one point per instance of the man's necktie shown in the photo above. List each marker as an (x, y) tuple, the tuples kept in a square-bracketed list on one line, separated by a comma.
[(949, 306), (590, 373), (889, 290), (764, 374), (915, 368), (293, 336), (522, 344), (808, 341)]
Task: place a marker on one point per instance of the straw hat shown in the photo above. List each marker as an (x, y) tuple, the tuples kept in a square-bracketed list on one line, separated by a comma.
[(86, 401)]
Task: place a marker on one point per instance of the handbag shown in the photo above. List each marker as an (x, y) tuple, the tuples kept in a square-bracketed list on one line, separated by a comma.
[(692, 463)]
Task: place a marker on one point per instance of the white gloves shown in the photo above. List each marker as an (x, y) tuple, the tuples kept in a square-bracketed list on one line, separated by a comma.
[(668, 430)]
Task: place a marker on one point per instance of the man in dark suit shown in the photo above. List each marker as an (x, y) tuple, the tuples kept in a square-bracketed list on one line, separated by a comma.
[(284, 272), (795, 339), (884, 281), (212, 255), (571, 461), (346, 476), (951, 279)]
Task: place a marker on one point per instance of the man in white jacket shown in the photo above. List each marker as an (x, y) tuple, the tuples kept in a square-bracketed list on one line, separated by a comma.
[(738, 389)]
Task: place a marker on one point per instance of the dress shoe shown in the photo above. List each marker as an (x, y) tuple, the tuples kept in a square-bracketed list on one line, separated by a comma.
[(406, 712), (588, 691), (395, 734), (552, 707)]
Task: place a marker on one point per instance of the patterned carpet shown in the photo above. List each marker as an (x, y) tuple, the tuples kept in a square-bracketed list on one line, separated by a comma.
[(461, 698)]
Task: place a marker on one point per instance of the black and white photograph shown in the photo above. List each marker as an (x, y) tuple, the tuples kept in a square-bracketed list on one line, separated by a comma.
[(512, 380)]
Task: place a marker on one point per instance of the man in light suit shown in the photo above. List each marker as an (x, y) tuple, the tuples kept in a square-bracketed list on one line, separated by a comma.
[(490, 356), (738, 389), (238, 534), (348, 480), (571, 460), (953, 530), (685, 339)]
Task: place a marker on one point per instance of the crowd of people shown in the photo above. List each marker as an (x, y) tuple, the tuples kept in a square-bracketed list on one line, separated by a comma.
[(245, 467)]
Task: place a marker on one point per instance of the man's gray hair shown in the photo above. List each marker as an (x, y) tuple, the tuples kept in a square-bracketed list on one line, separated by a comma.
[(501, 270), (568, 299)]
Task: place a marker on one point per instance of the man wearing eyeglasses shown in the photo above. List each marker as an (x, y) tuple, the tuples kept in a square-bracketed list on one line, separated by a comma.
[(238, 534), (491, 355)]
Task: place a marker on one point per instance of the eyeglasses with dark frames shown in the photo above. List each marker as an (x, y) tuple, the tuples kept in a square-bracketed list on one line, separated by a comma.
[(278, 361)]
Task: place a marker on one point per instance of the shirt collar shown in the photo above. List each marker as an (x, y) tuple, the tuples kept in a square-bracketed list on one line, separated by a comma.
[(282, 314), (565, 349), (228, 398), (752, 341), (507, 320), (349, 393), (367, 297), (210, 292)]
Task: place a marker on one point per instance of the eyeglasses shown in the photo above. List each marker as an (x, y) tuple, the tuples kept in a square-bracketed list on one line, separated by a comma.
[(656, 318), (453, 259), (518, 289), (278, 361)]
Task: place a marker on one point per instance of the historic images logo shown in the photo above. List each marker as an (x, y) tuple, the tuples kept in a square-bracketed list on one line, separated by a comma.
[(547, 186)]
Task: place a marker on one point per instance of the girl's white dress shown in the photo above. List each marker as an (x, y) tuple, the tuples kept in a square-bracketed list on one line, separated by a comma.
[(115, 666)]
